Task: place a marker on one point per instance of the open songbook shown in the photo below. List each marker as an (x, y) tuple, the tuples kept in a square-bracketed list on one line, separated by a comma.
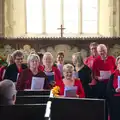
[(105, 74), (75, 74), (37, 83), (70, 91), (118, 81), (51, 77)]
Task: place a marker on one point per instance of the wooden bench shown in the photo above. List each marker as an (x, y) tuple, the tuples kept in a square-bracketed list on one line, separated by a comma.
[(23, 112), (30, 92), (32, 99), (78, 109), (115, 108)]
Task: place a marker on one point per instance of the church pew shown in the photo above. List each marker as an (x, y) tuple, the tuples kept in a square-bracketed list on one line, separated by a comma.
[(23, 112), (115, 108), (78, 109), (30, 92), (32, 99)]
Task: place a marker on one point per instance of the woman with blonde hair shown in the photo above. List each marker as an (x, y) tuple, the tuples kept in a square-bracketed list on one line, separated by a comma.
[(69, 81), (25, 78), (83, 72), (48, 68)]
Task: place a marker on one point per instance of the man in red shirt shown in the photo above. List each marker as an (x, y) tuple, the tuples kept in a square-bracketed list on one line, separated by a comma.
[(93, 51), (103, 67)]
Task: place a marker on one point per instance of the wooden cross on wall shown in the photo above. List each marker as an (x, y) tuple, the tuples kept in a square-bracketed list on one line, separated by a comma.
[(61, 30)]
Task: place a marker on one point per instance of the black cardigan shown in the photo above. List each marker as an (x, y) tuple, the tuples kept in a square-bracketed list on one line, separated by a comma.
[(12, 72), (110, 89)]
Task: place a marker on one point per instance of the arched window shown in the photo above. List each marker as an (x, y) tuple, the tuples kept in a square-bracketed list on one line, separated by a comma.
[(77, 16)]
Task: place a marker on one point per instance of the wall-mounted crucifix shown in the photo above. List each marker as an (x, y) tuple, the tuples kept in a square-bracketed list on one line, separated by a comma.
[(61, 30)]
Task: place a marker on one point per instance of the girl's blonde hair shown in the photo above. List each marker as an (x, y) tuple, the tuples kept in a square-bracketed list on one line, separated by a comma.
[(67, 67)]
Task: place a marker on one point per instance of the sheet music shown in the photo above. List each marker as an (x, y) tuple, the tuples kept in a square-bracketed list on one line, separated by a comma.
[(51, 77), (70, 91), (105, 74), (75, 74), (37, 83), (118, 81), (49, 73)]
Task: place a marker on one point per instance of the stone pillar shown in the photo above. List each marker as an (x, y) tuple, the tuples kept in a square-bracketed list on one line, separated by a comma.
[(113, 17), (15, 18), (9, 23), (1, 17), (118, 18)]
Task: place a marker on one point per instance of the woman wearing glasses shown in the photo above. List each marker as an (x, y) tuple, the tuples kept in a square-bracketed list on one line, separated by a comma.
[(13, 70)]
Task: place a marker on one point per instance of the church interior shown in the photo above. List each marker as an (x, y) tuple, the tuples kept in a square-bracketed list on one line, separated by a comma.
[(59, 59)]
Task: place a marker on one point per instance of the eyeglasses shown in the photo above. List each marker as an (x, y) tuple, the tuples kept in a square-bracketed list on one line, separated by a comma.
[(93, 48), (19, 59)]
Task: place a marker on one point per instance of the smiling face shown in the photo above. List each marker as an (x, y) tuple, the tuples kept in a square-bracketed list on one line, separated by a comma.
[(47, 61), (60, 59), (102, 51), (34, 63), (68, 71), (18, 60), (68, 74), (93, 50)]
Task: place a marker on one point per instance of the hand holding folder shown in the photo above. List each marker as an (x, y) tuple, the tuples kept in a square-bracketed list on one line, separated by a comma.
[(51, 78), (37, 83), (70, 91)]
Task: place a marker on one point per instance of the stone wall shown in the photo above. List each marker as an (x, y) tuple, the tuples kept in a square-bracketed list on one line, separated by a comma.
[(54, 45)]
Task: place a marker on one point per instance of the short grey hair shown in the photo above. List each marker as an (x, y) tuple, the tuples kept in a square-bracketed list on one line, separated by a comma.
[(32, 57), (7, 90), (79, 59), (102, 46), (67, 67), (48, 54)]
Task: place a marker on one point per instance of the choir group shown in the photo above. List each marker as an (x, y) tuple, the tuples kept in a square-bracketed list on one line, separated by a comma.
[(97, 76)]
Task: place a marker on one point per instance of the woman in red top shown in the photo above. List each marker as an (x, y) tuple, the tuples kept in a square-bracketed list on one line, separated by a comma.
[(93, 50), (48, 67), (70, 81), (103, 67)]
